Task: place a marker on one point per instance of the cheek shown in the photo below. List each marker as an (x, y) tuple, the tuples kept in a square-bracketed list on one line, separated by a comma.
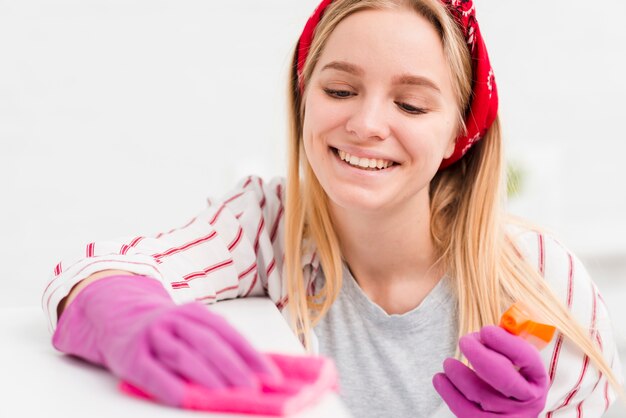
[(307, 125), (321, 120), (429, 142), (322, 114), (424, 152), (313, 126), (445, 132)]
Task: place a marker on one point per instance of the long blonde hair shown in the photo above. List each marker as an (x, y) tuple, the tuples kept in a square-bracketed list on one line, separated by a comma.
[(466, 200)]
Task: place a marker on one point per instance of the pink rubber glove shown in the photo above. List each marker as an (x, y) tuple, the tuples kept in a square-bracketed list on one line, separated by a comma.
[(130, 325), (508, 377)]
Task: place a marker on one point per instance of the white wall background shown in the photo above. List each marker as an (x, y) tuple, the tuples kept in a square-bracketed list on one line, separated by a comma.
[(121, 117)]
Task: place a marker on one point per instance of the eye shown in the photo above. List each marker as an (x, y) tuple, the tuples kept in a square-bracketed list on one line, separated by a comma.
[(339, 94), (411, 109)]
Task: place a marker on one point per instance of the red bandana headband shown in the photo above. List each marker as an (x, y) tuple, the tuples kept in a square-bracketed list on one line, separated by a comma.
[(484, 101)]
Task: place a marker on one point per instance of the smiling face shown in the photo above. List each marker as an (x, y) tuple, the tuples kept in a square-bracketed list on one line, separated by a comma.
[(381, 97)]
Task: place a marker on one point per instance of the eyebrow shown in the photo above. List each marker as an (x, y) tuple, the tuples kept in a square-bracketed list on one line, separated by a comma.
[(403, 79)]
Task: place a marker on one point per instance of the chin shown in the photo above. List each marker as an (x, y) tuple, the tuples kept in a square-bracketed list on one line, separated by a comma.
[(357, 200)]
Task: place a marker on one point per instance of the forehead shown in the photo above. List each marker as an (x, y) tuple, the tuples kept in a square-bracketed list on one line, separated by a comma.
[(388, 42)]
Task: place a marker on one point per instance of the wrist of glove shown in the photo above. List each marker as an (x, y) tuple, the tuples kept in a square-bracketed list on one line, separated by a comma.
[(131, 326), (507, 377), (104, 307)]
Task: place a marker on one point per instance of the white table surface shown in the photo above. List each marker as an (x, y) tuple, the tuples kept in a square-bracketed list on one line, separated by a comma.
[(37, 381)]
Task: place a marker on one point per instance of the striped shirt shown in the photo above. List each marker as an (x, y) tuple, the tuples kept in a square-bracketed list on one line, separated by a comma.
[(234, 248)]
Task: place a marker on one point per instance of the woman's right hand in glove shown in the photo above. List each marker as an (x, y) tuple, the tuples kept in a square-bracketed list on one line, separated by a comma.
[(130, 325)]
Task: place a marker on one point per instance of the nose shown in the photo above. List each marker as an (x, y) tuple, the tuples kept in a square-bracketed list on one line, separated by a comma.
[(368, 120)]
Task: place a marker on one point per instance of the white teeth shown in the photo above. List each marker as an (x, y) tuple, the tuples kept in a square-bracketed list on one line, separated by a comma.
[(364, 162)]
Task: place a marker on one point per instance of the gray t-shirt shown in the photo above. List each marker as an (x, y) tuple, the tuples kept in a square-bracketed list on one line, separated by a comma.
[(386, 362)]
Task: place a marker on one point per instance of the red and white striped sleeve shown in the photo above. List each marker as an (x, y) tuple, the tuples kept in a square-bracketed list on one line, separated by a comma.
[(578, 388), (231, 249)]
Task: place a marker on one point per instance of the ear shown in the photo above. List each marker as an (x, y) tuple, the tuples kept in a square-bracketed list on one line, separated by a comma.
[(450, 149)]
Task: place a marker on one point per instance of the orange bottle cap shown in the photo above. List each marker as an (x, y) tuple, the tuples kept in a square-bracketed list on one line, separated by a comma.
[(517, 320)]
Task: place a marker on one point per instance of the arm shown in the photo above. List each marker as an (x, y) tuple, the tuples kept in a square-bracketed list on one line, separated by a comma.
[(231, 249), (577, 386)]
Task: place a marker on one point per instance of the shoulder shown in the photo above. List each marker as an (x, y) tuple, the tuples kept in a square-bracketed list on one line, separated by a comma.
[(253, 200), (540, 249), (561, 269), (254, 185), (577, 384)]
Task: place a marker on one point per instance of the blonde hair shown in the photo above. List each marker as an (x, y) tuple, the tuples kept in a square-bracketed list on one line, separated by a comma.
[(467, 216)]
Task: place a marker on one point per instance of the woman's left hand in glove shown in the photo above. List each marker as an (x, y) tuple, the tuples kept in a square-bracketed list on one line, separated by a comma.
[(507, 378)]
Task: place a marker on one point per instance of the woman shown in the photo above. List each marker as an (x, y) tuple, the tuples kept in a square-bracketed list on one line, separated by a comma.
[(385, 247)]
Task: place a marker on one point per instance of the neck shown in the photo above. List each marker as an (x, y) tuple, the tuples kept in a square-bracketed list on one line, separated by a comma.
[(383, 248)]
